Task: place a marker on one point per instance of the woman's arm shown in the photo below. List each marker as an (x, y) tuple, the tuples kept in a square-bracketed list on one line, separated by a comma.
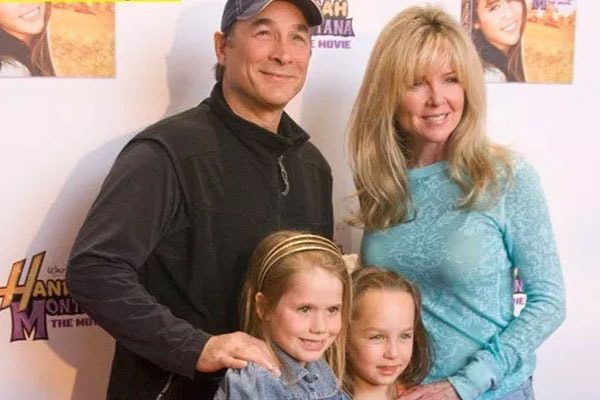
[(530, 244)]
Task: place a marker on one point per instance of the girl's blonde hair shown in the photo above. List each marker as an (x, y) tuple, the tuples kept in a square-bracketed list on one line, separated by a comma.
[(276, 259), (370, 279), (413, 41)]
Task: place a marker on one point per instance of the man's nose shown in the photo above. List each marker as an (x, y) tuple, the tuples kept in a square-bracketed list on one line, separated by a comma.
[(280, 52)]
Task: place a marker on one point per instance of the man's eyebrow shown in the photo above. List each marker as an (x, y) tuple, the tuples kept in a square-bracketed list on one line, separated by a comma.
[(269, 22), (262, 21), (302, 27)]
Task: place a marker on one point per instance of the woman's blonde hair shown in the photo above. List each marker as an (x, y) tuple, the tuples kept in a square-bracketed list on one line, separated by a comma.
[(417, 39), (370, 279), (276, 259)]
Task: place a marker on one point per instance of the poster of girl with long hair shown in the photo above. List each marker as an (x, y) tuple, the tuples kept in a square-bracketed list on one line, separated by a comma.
[(523, 40), (57, 39)]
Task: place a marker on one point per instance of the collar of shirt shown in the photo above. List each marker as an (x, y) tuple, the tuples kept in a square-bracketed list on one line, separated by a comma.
[(317, 373), (289, 133)]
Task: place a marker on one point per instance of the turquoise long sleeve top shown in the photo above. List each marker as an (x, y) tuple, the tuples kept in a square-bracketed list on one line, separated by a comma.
[(462, 262)]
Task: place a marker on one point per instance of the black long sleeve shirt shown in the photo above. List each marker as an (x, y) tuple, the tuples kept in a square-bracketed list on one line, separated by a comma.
[(160, 259)]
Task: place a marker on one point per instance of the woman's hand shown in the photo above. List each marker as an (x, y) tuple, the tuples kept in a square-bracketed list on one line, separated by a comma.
[(441, 390)]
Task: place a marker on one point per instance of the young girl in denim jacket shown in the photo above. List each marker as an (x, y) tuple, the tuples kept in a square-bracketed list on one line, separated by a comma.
[(297, 299), (387, 343)]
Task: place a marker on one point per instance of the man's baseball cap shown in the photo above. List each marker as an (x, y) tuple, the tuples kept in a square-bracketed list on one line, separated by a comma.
[(243, 9)]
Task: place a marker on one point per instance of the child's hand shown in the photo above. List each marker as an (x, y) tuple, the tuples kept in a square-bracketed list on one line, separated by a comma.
[(441, 390), (235, 350)]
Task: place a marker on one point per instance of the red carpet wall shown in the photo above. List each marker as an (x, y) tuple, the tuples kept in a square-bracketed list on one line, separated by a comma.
[(60, 135)]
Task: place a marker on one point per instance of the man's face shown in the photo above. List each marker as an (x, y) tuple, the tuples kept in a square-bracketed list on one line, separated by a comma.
[(265, 58)]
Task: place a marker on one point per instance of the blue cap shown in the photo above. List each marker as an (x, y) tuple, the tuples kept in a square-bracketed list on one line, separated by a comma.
[(243, 9)]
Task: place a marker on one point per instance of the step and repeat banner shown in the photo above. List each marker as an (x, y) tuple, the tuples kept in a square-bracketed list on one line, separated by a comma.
[(85, 77)]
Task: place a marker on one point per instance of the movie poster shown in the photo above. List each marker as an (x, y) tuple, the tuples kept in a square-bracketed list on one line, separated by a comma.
[(523, 40), (49, 39)]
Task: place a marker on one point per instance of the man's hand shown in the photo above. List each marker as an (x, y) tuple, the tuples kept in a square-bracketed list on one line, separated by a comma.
[(441, 390), (234, 350)]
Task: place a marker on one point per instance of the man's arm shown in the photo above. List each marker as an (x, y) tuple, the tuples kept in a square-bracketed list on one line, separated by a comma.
[(136, 207), (138, 204)]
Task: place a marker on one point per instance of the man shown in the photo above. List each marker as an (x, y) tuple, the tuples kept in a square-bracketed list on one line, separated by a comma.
[(160, 259)]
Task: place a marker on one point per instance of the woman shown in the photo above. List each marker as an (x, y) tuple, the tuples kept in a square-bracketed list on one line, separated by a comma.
[(24, 49), (452, 212), (497, 27)]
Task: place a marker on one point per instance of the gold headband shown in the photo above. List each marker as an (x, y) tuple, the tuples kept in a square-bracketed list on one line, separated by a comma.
[(292, 245)]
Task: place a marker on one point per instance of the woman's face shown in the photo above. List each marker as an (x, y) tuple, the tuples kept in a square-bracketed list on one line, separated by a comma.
[(500, 22), (429, 111), (22, 20)]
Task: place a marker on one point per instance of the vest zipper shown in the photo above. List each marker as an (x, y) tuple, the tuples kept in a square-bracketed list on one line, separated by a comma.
[(284, 176), (165, 388)]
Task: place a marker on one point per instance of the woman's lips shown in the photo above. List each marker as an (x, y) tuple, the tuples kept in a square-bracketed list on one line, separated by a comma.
[(510, 27), (30, 12)]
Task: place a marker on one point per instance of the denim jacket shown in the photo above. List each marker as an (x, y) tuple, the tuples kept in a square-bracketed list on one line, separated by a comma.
[(316, 381)]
